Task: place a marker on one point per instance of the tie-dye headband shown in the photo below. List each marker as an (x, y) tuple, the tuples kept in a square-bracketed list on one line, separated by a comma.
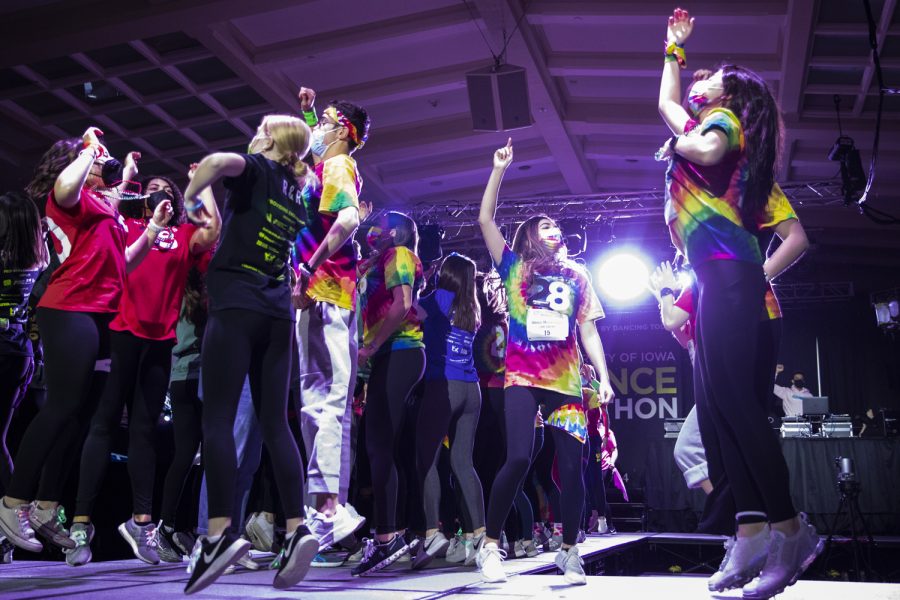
[(343, 121)]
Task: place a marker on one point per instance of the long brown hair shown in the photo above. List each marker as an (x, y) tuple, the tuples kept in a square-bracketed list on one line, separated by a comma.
[(407, 232), (22, 243), (178, 216), (60, 155), (195, 308), (457, 275)]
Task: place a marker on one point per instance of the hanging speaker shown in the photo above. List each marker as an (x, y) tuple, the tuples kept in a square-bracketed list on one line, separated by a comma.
[(498, 98)]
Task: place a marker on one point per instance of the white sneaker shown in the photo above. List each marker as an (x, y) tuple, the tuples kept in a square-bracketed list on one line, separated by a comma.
[(477, 542), (570, 563), (602, 526), (430, 548), (744, 559), (788, 558), (330, 530), (490, 562)]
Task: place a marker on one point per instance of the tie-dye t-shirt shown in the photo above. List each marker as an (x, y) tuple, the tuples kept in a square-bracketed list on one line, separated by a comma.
[(489, 350), (703, 203), (394, 267), (335, 279), (778, 210), (566, 291)]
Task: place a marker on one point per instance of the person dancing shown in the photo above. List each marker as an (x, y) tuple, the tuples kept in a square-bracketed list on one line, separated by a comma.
[(548, 296), (249, 330), (78, 178), (718, 181)]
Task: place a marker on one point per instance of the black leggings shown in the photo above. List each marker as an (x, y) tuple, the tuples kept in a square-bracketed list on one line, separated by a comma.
[(138, 378), (15, 375), (238, 343), (73, 343), (593, 477), (187, 415), (521, 408), (542, 467), (520, 527), (391, 382), (729, 392)]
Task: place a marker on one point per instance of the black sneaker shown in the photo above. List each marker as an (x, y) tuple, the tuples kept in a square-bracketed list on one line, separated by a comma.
[(299, 552), (378, 556), (166, 547), (329, 558), (212, 560)]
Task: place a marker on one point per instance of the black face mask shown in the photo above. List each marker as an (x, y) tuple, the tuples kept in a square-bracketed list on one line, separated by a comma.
[(111, 172), (156, 197), (799, 384)]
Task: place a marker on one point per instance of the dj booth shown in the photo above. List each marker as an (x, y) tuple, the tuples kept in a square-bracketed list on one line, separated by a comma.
[(811, 461)]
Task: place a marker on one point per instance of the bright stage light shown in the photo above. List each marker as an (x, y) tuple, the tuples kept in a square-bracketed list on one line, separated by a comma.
[(623, 276)]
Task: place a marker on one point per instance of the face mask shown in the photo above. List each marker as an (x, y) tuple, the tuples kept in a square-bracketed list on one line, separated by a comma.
[(799, 384), (374, 237), (111, 172), (552, 237), (156, 197), (317, 143), (696, 103)]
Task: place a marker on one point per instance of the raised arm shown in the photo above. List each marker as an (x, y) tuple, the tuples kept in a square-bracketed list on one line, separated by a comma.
[(679, 29), (200, 208), (208, 234), (67, 189), (492, 236)]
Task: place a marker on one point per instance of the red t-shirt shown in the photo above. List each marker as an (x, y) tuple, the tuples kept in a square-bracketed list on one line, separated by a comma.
[(686, 303), (152, 296), (89, 239)]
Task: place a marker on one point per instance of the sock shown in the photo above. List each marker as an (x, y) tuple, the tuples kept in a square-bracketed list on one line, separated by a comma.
[(212, 539), (288, 536)]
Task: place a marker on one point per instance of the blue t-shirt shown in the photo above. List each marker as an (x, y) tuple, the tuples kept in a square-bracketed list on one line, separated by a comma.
[(448, 349)]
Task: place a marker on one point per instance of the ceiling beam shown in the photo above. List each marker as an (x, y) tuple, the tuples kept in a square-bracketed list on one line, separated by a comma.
[(884, 23), (25, 34), (355, 41), (795, 50), (547, 102), (553, 12), (646, 64)]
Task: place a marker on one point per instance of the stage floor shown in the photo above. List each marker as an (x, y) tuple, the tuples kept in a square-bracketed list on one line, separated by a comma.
[(132, 579)]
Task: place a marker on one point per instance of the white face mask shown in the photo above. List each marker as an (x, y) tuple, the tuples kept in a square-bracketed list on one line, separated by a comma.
[(317, 143)]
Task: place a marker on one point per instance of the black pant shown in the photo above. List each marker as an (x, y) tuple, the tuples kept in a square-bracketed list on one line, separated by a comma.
[(728, 388), (15, 374), (521, 408), (594, 476), (73, 343), (187, 415), (238, 343), (138, 378), (391, 382), (542, 467)]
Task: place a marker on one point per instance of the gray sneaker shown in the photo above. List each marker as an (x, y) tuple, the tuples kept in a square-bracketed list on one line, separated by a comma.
[(788, 558), (50, 523), (81, 534), (16, 526), (142, 539), (572, 566), (166, 546), (260, 532), (6, 551)]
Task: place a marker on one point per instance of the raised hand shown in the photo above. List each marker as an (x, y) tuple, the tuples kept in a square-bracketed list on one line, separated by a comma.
[(681, 24), (666, 276), (307, 98), (163, 213), (365, 210), (91, 137), (191, 170), (503, 156), (130, 170)]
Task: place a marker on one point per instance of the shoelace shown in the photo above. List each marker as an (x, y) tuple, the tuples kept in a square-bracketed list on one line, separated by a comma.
[(79, 536), (23, 513), (370, 549), (152, 536), (501, 554), (61, 517)]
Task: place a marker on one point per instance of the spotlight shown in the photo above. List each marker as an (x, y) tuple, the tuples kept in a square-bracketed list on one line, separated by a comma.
[(623, 276)]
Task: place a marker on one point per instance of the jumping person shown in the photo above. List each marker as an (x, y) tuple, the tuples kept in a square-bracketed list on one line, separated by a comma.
[(249, 330), (549, 297), (327, 326), (78, 178), (720, 175), (141, 340)]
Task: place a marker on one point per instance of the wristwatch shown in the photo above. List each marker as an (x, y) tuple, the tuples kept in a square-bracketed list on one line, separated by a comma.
[(666, 292)]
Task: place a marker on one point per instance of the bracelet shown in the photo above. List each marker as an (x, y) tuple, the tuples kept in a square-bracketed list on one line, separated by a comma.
[(675, 51), (192, 207), (306, 267), (666, 292), (154, 227), (673, 141), (310, 117)]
